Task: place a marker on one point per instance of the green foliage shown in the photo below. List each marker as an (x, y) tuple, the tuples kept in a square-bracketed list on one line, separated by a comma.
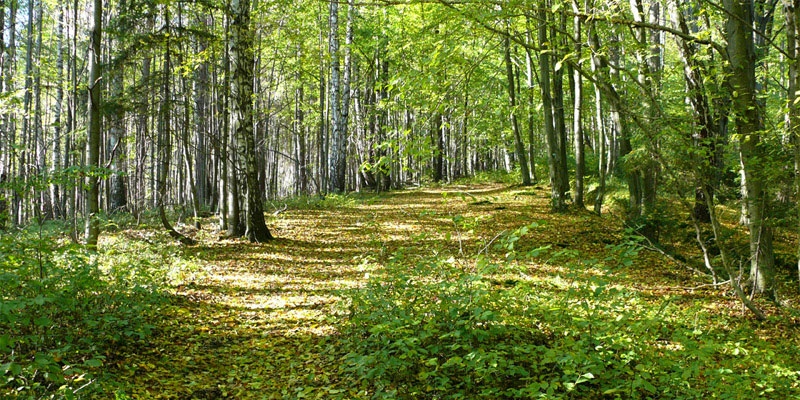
[(330, 201), (431, 328), (494, 176), (62, 308), (428, 329)]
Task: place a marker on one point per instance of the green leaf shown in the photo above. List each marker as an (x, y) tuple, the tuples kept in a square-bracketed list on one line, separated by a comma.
[(6, 342), (93, 363)]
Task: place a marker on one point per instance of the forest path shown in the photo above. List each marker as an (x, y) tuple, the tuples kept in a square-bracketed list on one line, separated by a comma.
[(259, 321)]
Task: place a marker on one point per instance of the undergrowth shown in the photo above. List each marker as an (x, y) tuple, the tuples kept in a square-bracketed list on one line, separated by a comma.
[(432, 327), (64, 308), (533, 312)]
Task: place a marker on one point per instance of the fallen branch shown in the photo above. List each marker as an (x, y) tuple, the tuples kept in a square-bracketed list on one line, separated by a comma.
[(278, 211)]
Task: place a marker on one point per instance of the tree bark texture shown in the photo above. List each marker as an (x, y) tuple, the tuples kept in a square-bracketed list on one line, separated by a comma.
[(243, 59), (749, 124)]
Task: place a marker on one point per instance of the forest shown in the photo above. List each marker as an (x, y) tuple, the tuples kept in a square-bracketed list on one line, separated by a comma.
[(380, 199)]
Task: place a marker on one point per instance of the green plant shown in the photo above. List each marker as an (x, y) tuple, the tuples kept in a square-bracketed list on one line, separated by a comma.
[(428, 329), (61, 312)]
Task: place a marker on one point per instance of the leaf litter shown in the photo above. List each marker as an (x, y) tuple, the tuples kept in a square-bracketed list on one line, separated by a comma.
[(261, 321)]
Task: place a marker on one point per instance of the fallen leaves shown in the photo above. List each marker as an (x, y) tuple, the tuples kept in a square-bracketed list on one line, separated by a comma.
[(260, 320)]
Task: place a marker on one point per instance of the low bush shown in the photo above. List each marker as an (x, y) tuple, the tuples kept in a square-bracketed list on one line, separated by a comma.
[(63, 310)]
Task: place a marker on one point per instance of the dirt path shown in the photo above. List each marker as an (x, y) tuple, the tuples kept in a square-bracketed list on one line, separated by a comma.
[(260, 320)]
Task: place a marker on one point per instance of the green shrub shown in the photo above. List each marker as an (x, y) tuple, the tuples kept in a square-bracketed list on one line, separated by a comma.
[(61, 312), (432, 328), (428, 329)]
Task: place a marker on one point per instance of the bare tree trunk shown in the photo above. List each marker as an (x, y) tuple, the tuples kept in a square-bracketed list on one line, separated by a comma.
[(72, 142), (201, 122), (225, 161), (792, 25), (519, 146), (23, 170), (577, 113), (55, 192), (45, 207), (530, 71), (243, 59), (5, 144), (337, 157), (341, 155), (116, 148), (300, 133), (95, 116), (559, 118), (558, 200)]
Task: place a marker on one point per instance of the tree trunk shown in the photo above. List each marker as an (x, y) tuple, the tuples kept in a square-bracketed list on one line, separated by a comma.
[(94, 120), (792, 15), (437, 142), (559, 118), (165, 141), (530, 67), (55, 192), (201, 123), (749, 124), (243, 59), (116, 140), (45, 207), (191, 184), (519, 146), (336, 168), (558, 200), (577, 112), (5, 144)]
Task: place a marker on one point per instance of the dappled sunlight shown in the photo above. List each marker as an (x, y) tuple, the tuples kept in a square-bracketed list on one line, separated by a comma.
[(249, 316)]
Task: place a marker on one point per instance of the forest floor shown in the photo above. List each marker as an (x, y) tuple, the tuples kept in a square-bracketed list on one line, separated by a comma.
[(263, 321)]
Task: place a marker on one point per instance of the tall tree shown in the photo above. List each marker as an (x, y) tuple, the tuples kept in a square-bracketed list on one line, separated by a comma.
[(116, 148), (792, 121), (243, 60), (164, 142), (58, 128), (94, 123), (559, 185), (519, 146), (577, 111), (338, 156), (749, 120)]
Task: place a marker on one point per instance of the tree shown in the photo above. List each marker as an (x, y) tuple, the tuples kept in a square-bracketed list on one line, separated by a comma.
[(558, 182), (338, 149), (519, 146), (577, 113), (243, 60), (94, 122), (749, 120)]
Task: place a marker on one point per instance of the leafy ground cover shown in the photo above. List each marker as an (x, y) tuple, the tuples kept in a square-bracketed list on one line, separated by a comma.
[(437, 293)]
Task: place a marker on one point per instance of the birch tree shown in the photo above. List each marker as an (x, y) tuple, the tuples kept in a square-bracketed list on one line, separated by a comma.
[(243, 62)]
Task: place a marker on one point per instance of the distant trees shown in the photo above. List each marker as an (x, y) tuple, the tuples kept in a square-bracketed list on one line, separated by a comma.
[(221, 108)]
